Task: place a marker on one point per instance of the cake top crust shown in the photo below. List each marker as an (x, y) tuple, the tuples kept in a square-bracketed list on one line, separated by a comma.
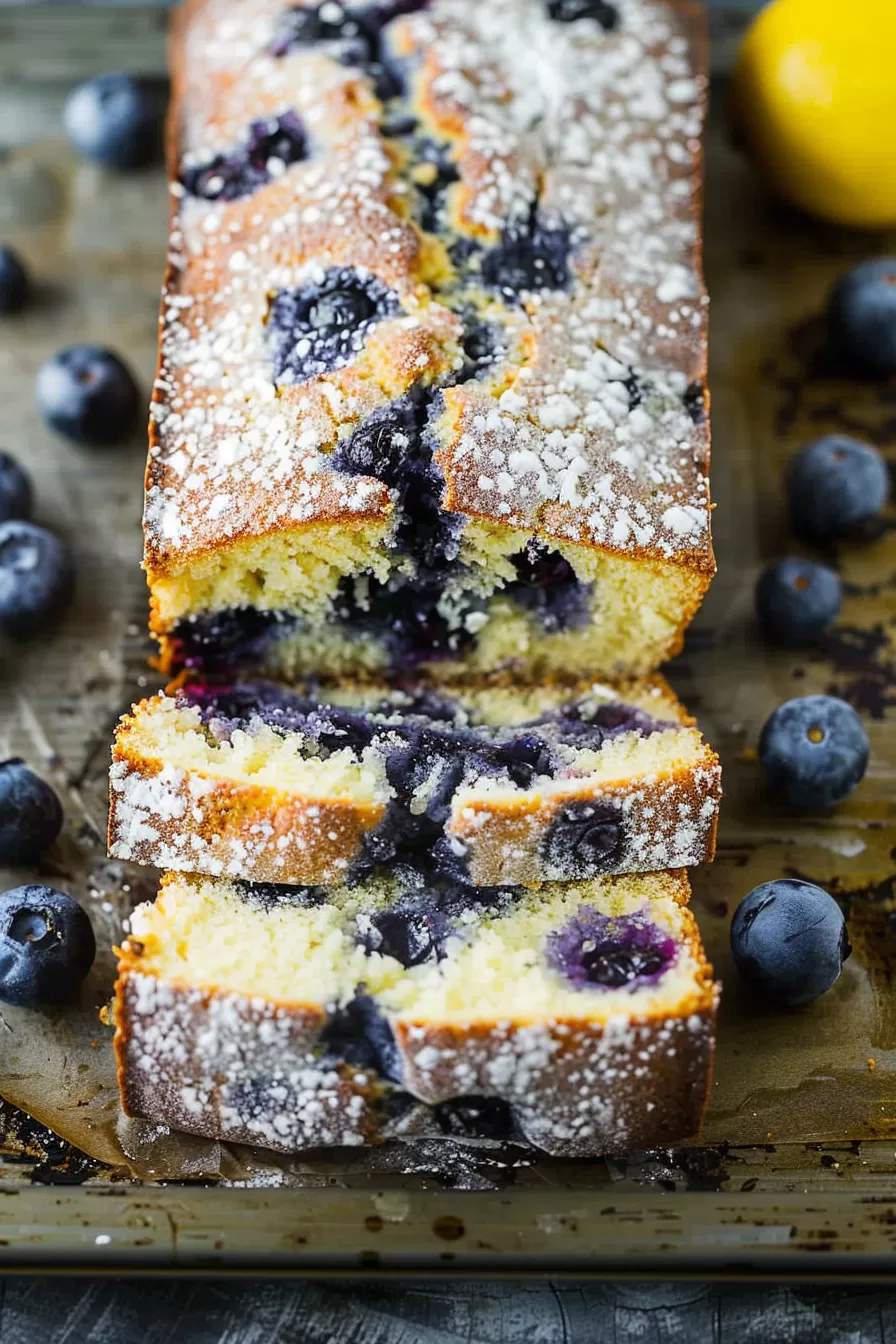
[(312, 151)]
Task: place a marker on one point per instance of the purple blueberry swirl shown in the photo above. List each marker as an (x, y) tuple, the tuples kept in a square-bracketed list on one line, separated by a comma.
[(596, 951)]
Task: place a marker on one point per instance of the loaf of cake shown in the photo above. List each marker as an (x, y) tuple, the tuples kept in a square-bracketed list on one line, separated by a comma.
[(492, 786), (577, 1016), (431, 391)]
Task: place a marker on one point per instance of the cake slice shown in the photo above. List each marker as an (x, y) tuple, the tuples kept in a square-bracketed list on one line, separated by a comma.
[(579, 1016), (492, 786), (431, 390)]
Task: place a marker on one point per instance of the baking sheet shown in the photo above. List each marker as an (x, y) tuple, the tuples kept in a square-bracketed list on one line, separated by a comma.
[(819, 1076)]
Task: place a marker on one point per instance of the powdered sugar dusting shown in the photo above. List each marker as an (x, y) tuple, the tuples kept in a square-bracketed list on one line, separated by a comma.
[(601, 128)]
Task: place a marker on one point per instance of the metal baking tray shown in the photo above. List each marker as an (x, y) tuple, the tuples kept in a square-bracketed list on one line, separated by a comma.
[(795, 1172)]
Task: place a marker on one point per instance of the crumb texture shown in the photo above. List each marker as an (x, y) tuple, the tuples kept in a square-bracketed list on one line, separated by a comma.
[(493, 787)]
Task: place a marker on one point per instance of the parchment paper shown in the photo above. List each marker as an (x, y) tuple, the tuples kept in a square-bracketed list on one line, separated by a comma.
[(825, 1073)]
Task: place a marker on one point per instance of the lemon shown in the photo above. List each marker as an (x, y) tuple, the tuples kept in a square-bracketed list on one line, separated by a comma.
[(814, 103)]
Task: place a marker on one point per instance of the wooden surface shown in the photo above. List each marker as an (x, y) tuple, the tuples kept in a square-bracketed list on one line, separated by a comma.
[(111, 1312)]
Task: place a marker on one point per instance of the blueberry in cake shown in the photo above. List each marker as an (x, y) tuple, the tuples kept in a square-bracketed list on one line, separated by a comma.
[(578, 1016), (431, 390), (497, 785)]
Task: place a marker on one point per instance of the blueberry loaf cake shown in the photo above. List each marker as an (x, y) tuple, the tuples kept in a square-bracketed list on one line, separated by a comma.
[(431, 390), (256, 781), (578, 1016)]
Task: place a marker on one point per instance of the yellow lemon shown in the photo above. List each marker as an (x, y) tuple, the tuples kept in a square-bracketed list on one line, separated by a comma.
[(814, 102)]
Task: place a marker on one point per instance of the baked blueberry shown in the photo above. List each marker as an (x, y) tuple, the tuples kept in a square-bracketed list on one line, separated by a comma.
[(862, 319), (432, 171), (531, 256), (524, 758), (36, 579), (483, 345), (411, 935), (406, 612), (270, 895), (222, 641), (610, 952), (16, 494), (427, 770), (358, 1033), (116, 119), (338, 26), (583, 840), (835, 486), (272, 145), (89, 395), (350, 34), (797, 599), (547, 585), (324, 324), (30, 814), (15, 287), (789, 940), (383, 444), (569, 11), (813, 751), (47, 946)]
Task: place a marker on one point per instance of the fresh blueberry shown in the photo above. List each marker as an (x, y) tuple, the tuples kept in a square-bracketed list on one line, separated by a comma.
[(324, 324), (87, 394), (16, 495), (547, 585), (36, 579), (531, 256), (862, 319), (47, 946), (15, 287), (789, 940), (30, 814), (271, 147), (583, 840), (813, 751), (835, 486), (610, 951), (569, 11), (797, 599), (116, 119)]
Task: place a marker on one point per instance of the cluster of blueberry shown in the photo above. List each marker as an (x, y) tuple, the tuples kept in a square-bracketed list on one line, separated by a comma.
[(789, 937), (87, 394)]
